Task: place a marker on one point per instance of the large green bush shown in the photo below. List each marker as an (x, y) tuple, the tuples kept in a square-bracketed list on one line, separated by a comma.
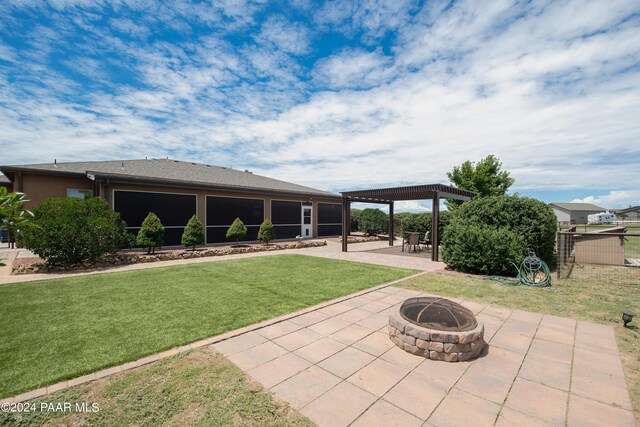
[(373, 222), (489, 233), (69, 231)]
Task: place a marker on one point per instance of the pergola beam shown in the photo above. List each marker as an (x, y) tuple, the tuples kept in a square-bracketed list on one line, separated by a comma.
[(388, 196)]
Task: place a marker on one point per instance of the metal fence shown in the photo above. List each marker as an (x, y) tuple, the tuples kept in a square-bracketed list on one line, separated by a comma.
[(599, 248)]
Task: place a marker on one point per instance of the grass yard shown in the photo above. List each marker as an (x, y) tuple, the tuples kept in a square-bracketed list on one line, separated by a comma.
[(197, 388), (594, 293), (60, 329)]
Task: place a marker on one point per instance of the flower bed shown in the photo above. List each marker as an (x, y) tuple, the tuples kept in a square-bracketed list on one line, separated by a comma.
[(37, 265)]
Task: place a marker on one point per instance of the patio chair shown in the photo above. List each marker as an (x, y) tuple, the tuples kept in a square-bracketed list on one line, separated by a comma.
[(427, 239), (414, 240)]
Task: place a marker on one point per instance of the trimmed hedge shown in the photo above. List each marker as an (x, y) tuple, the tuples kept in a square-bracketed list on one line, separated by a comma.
[(487, 234)]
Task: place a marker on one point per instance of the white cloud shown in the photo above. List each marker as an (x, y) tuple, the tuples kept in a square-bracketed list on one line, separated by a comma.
[(354, 69), (552, 89), (613, 199)]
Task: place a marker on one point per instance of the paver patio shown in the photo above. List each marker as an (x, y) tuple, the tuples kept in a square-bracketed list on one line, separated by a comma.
[(338, 367)]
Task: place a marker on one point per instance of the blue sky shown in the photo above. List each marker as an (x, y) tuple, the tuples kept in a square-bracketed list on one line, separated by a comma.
[(337, 95)]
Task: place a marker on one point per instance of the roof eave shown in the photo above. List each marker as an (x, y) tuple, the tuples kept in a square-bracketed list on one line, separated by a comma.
[(124, 179)]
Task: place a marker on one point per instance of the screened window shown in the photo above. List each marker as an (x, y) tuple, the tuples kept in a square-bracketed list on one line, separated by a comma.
[(329, 219), (329, 213), (284, 212), (174, 210), (222, 211)]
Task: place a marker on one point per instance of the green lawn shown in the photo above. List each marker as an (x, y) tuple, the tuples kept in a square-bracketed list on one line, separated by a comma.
[(60, 329), (199, 388)]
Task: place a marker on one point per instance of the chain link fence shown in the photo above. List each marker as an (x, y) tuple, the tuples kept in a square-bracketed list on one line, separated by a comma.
[(600, 250)]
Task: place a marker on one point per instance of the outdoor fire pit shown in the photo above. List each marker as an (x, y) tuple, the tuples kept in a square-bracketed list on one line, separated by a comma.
[(436, 328)]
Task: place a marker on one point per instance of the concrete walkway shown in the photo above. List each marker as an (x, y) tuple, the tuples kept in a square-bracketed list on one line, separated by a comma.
[(357, 253), (338, 367)]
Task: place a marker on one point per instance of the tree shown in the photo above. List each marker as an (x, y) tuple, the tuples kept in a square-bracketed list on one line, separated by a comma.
[(373, 221), (151, 235), (69, 231), (237, 231), (484, 178), (193, 234), (267, 232), (12, 215)]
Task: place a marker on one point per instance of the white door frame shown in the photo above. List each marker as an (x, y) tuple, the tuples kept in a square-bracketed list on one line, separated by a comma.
[(306, 229)]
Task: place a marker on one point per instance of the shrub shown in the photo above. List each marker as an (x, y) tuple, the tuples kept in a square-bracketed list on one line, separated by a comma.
[(355, 219), (266, 232), (373, 221), (237, 230), (421, 222), (69, 231), (151, 235), (193, 234), (497, 226), (478, 248)]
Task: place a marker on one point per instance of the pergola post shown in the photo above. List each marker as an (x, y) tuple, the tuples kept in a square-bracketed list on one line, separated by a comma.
[(346, 222), (390, 223), (435, 226)]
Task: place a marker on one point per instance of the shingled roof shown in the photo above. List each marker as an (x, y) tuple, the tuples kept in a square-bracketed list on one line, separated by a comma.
[(172, 172), (577, 206)]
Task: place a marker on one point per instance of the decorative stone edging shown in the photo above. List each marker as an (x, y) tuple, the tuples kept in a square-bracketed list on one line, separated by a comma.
[(119, 259), (363, 239), (448, 346)]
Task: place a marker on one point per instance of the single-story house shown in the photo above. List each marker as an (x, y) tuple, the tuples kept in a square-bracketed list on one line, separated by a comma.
[(175, 190), (574, 213), (628, 214)]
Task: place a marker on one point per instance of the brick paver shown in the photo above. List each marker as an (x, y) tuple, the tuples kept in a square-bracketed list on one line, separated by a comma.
[(538, 370)]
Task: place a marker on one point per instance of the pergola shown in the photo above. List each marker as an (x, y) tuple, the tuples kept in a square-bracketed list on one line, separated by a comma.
[(387, 196)]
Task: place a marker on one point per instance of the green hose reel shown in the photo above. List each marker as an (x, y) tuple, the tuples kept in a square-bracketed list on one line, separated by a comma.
[(532, 272)]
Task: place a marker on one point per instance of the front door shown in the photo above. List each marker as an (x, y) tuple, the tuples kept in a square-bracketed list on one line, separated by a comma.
[(306, 222)]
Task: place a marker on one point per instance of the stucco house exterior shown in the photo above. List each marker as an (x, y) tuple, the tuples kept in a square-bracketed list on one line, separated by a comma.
[(175, 190), (574, 213)]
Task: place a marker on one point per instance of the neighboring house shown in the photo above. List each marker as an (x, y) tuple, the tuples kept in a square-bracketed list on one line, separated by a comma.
[(175, 190), (628, 214), (574, 213), (5, 182)]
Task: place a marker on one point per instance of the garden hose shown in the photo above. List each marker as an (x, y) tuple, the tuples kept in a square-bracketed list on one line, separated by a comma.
[(532, 272)]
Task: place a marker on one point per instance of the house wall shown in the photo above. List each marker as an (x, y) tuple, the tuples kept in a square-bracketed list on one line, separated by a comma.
[(561, 215), (39, 187), (630, 216), (581, 217)]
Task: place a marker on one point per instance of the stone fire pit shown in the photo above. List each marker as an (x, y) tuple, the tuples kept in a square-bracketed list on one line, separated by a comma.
[(436, 328)]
